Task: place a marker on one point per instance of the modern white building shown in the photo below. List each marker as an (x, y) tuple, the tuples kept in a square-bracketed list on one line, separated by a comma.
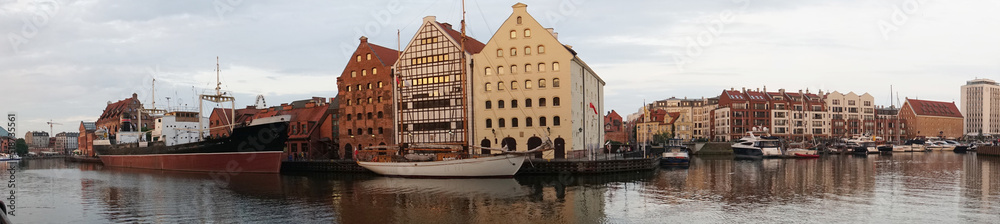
[(175, 128), (980, 106), (528, 86), (852, 114)]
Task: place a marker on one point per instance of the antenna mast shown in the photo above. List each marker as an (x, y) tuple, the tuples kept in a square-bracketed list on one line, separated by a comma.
[(217, 83)]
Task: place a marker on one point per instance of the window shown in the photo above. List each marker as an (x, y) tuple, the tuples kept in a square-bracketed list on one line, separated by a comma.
[(359, 131), (380, 84), (500, 122), (489, 86), (364, 72), (369, 56), (358, 58), (513, 85), (513, 122), (527, 33), (527, 68), (850, 102), (380, 114), (513, 103), (500, 70), (359, 86), (488, 71), (348, 102), (513, 34), (354, 74), (359, 118), (555, 101), (489, 104), (541, 83), (369, 115), (541, 102), (350, 132), (527, 102), (500, 104), (379, 99), (527, 84), (541, 121), (541, 67), (374, 71), (500, 86), (868, 103), (527, 122), (513, 51), (369, 86), (541, 49), (518, 20), (348, 88), (555, 82), (555, 66), (381, 130), (499, 52), (370, 131), (358, 101), (513, 69), (527, 50), (555, 121), (489, 123)]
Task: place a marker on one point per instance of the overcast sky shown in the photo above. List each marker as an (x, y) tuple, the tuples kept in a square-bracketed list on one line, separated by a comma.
[(64, 60)]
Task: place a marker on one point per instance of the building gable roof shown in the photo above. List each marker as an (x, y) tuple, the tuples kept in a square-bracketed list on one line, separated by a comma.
[(933, 108), (385, 55), (472, 46)]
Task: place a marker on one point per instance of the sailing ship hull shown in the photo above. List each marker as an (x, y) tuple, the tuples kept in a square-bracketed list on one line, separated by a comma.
[(492, 166), (251, 149)]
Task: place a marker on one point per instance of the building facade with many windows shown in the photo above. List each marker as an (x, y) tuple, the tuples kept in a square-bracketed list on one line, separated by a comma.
[(529, 86), (980, 103), (365, 110)]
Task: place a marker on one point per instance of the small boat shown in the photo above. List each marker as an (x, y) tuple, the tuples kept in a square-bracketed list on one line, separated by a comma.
[(804, 155), (753, 146), (675, 154), (9, 157)]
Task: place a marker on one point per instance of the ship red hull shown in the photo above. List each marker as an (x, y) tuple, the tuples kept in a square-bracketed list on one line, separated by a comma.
[(232, 162)]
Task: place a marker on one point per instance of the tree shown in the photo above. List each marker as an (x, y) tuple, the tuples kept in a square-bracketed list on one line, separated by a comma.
[(662, 137), (21, 147)]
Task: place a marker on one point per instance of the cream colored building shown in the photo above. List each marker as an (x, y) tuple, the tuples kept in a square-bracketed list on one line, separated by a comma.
[(981, 107), (851, 114), (528, 86)]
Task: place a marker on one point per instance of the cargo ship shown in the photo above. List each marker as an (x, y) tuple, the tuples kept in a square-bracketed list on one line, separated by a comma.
[(180, 141), (254, 148)]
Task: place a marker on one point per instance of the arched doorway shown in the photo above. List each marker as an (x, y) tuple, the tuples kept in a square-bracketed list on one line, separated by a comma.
[(485, 144), (510, 143), (383, 143), (560, 146), (533, 142), (348, 151)]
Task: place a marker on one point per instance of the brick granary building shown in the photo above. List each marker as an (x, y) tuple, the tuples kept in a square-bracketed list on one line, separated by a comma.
[(926, 118), (365, 110)]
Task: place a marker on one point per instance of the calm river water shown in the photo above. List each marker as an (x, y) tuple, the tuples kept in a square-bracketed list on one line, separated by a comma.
[(934, 187)]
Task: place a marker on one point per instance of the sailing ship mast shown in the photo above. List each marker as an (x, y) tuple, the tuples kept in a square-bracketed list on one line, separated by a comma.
[(217, 98), (464, 77)]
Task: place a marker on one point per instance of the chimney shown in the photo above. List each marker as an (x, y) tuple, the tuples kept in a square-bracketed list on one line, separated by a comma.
[(430, 19), (364, 39), (744, 89), (553, 32), (782, 91), (765, 88), (447, 26), (135, 96)]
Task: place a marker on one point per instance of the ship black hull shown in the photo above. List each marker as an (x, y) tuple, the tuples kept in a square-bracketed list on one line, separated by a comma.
[(249, 149)]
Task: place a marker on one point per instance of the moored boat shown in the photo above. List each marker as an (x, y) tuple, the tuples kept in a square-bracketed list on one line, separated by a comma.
[(442, 161), (757, 147), (675, 154)]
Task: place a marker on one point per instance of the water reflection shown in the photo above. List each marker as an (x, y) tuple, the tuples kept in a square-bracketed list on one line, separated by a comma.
[(922, 187)]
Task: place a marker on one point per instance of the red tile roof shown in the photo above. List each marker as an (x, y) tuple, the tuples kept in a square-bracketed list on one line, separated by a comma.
[(734, 95), (385, 55), (934, 108), (472, 45), (114, 110), (757, 96)]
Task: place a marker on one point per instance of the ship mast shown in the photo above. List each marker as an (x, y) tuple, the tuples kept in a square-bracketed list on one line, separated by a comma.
[(217, 98), (464, 76)]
